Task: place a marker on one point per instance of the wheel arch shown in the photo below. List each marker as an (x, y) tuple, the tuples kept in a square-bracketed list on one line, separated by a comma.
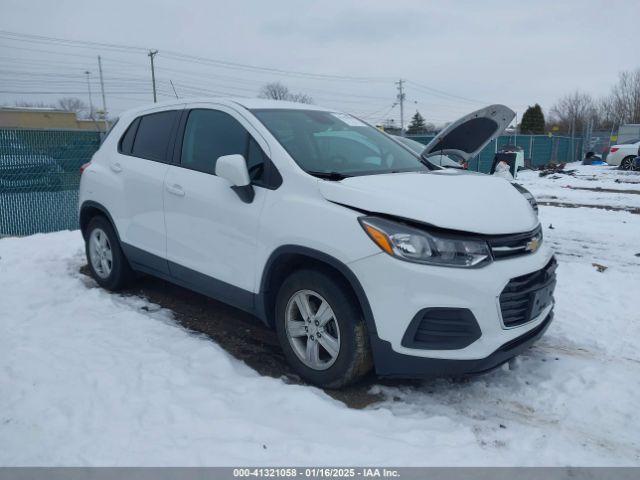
[(289, 258), (90, 209)]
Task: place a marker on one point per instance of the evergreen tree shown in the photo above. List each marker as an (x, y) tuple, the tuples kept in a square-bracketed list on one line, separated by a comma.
[(532, 121), (417, 125)]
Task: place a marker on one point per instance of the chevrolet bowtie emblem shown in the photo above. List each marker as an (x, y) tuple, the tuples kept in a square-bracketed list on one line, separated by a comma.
[(533, 245)]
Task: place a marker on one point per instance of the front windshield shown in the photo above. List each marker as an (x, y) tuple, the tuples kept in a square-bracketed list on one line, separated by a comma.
[(416, 147), (336, 143)]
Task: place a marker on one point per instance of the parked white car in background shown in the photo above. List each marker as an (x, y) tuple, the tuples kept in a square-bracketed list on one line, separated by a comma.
[(357, 251), (623, 154)]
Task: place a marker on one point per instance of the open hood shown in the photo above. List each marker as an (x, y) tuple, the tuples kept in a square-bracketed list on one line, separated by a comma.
[(448, 198), (467, 136)]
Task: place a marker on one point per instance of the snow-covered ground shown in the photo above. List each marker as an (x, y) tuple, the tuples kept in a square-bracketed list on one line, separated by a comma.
[(580, 187), (92, 378)]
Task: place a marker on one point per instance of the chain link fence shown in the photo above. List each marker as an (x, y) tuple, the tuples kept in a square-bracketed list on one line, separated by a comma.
[(539, 150), (39, 178), (40, 172)]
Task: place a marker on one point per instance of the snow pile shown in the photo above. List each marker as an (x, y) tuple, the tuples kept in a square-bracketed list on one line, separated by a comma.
[(92, 378)]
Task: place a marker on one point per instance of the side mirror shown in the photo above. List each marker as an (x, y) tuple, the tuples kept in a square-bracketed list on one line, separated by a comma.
[(233, 168)]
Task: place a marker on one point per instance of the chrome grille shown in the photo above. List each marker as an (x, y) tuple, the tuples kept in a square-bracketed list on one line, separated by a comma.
[(505, 246)]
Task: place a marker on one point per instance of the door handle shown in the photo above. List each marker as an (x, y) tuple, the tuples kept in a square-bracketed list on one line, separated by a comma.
[(176, 189), (116, 167)]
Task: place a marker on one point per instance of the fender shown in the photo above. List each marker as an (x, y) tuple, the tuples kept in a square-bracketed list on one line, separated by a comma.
[(262, 302), (98, 206), (137, 258)]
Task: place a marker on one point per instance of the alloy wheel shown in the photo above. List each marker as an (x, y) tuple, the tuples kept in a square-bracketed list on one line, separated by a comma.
[(100, 253), (627, 164), (312, 329)]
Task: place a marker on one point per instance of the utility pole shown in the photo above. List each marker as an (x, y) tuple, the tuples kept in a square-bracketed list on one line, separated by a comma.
[(153, 53), (401, 97), (87, 73), (104, 101)]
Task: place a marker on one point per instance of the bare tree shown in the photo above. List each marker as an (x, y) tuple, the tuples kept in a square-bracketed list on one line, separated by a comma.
[(278, 91), (72, 104), (622, 105), (300, 98), (274, 91), (574, 111)]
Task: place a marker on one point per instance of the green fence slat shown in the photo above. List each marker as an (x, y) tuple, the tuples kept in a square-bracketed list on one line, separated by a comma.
[(539, 150), (39, 178)]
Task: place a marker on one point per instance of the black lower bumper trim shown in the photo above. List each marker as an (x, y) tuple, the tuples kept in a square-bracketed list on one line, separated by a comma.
[(393, 364)]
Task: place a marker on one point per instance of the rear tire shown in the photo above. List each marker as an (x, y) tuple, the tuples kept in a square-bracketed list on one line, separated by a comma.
[(333, 323), (627, 163), (109, 267)]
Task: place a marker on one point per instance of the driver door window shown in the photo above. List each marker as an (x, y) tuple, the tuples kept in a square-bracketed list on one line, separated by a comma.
[(210, 134)]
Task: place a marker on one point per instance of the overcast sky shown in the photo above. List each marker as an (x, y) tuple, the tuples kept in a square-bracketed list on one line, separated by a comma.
[(456, 56)]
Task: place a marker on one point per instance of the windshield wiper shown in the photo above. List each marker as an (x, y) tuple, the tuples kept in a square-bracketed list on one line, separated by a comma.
[(428, 163), (335, 176)]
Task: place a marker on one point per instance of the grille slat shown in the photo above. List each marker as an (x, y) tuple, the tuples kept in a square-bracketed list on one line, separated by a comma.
[(508, 246), (517, 297)]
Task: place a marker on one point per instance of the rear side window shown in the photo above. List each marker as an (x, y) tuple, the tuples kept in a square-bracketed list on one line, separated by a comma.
[(210, 134), (153, 135), (126, 142)]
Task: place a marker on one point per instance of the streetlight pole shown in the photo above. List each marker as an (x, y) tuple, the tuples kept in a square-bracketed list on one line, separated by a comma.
[(104, 101), (88, 73)]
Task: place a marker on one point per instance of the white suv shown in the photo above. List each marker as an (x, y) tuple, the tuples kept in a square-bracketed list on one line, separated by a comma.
[(359, 252)]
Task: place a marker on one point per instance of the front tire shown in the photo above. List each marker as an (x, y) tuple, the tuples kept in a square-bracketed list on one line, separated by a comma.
[(321, 329), (106, 260)]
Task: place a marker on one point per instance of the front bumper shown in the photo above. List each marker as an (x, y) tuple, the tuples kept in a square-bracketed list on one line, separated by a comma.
[(397, 290), (394, 364)]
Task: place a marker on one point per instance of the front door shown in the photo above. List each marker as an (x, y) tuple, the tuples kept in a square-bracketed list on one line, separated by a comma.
[(211, 231)]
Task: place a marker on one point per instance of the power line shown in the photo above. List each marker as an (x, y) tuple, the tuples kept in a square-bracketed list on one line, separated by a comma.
[(59, 92), (66, 42), (176, 55), (199, 82), (445, 94)]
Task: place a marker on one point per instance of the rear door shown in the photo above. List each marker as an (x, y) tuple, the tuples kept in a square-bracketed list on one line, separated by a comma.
[(144, 156), (211, 231)]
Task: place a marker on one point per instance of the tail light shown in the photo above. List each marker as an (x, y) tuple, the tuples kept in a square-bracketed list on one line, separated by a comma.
[(83, 167), (614, 149)]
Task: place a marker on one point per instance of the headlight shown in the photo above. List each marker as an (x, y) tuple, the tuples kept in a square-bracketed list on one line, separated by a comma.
[(419, 246)]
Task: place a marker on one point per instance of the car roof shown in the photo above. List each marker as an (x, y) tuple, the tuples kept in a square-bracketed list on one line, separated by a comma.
[(248, 103)]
